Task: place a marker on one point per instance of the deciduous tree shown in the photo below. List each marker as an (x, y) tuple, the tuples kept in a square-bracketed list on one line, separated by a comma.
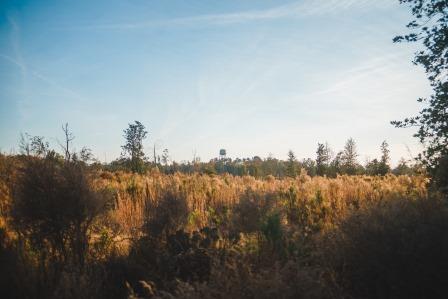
[(430, 28), (133, 148)]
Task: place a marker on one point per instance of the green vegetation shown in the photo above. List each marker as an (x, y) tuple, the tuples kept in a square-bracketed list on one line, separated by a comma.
[(430, 28), (324, 164)]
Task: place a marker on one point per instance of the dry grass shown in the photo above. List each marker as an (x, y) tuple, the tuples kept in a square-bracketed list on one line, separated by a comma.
[(329, 198), (201, 236)]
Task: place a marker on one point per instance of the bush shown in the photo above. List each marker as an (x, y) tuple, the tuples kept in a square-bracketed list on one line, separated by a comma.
[(14, 271), (54, 207), (166, 217), (272, 230), (395, 250), (441, 175)]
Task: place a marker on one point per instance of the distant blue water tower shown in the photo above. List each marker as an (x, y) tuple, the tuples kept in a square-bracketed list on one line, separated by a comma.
[(222, 154)]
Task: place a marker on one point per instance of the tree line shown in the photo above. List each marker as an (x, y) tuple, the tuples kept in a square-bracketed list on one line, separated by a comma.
[(133, 158), (326, 162)]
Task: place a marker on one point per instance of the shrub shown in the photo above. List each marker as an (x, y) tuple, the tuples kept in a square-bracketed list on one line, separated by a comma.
[(169, 215), (272, 230), (395, 250), (54, 207), (441, 175), (15, 273)]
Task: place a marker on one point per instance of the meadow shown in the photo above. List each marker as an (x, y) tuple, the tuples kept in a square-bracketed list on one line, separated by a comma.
[(72, 231)]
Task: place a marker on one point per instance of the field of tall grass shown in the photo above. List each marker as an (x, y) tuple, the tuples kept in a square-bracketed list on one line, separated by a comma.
[(217, 236), (309, 202)]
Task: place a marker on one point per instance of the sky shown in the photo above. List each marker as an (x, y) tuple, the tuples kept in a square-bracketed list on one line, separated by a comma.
[(252, 77)]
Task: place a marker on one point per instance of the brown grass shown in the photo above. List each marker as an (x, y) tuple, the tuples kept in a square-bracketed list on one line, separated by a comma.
[(201, 236), (316, 198)]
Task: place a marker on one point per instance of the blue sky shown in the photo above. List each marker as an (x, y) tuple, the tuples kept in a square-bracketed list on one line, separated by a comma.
[(253, 77)]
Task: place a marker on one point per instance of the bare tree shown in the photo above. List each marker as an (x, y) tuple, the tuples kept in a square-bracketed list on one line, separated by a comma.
[(24, 144), (165, 157), (69, 137)]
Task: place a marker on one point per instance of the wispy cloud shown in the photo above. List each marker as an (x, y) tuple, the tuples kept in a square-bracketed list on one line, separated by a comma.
[(372, 67), (304, 8), (26, 71), (29, 71), (15, 44)]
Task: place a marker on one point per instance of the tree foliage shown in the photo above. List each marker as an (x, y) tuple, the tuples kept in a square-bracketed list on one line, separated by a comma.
[(430, 28), (291, 168), (33, 145), (385, 159), (133, 148), (349, 157)]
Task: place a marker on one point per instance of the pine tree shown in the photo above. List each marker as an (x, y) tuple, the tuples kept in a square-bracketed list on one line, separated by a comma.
[(291, 169), (322, 159), (349, 157), (384, 167)]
